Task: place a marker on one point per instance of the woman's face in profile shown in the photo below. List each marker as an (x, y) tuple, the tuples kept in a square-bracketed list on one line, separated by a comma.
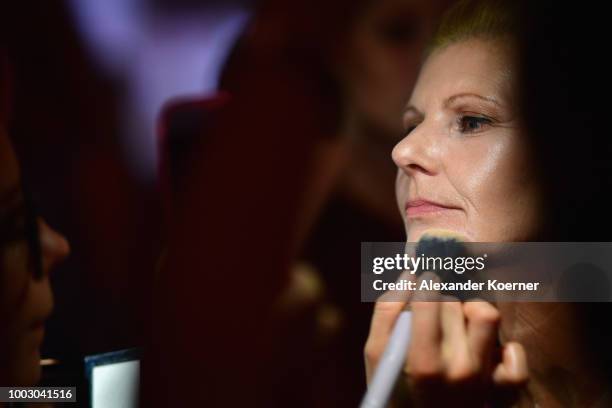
[(464, 164), (25, 298)]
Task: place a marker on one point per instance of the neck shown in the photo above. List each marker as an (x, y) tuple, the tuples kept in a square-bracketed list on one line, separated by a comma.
[(562, 370)]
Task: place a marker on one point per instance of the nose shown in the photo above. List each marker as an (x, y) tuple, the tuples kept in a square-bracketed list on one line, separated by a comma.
[(416, 153), (54, 246)]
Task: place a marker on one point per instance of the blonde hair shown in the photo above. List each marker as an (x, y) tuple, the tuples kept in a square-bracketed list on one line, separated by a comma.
[(484, 19)]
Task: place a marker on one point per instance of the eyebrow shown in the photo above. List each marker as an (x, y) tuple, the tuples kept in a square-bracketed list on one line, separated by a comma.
[(450, 100), (453, 98)]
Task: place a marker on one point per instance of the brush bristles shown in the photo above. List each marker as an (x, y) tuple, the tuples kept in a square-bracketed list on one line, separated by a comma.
[(440, 243), (443, 235)]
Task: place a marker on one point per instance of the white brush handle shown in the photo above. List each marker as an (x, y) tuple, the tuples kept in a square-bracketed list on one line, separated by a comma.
[(390, 365)]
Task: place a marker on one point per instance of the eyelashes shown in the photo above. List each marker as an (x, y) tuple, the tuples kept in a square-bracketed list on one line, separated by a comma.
[(473, 124), (466, 124)]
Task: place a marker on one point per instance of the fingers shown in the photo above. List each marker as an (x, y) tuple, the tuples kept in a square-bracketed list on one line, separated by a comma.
[(383, 318), (482, 323), (452, 341), (424, 360), (453, 344), (386, 311), (455, 348), (513, 368)]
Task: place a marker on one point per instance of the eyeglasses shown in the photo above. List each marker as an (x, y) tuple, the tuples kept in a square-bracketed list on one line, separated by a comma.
[(21, 223)]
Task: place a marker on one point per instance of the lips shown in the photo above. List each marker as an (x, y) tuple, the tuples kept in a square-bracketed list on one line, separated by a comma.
[(422, 207)]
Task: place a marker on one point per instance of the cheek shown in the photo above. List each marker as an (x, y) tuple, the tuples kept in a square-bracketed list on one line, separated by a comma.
[(492, 174), (401, 191), (480, 168)]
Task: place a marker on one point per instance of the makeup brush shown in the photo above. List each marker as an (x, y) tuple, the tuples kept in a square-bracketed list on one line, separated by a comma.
[(433, 243)]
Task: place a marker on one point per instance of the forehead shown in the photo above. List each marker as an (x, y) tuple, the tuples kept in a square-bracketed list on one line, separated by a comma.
[(472, 66)]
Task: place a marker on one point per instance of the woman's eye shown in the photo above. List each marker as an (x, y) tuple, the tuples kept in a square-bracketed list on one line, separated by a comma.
[(472, 124)]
